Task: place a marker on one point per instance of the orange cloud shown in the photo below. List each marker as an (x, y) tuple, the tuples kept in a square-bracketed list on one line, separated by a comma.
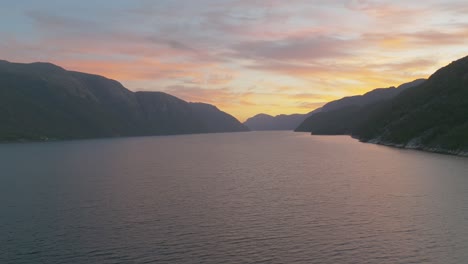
[(274, 56)]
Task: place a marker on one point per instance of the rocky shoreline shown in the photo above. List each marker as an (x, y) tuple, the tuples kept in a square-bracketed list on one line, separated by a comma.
[(462, 153)]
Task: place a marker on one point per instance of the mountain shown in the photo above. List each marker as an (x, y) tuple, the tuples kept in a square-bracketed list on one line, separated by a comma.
[(344, 115), (370, 97), (215, 120), (40, 101), (297, 121), (432, 116), (279, 122)]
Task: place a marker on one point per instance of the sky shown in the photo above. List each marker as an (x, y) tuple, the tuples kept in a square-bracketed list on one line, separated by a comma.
[(244, 56)]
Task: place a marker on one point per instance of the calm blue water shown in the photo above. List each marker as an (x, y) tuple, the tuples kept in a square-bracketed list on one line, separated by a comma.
[(259, 197)]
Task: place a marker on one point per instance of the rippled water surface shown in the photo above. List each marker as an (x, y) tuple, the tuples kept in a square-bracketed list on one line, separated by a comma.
[(258, 197)]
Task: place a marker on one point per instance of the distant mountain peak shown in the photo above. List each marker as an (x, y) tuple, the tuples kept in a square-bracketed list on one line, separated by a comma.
[(262, 115), (279, 122)]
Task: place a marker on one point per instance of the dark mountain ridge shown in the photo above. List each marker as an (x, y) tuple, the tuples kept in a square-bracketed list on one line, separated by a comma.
[(343, 115), (430, 116), (296, 121), (280, 122), (373, 96), (40, 101)]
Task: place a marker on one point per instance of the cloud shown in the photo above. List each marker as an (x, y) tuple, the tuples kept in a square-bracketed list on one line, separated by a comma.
[(419, 39), (244, 55), (386, 10), (297, 49), (53, 22)]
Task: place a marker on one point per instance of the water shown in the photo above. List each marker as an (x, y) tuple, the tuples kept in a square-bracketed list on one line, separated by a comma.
[(259, 197)]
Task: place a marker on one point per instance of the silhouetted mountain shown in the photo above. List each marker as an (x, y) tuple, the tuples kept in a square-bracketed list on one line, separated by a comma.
[(370, 97), (352, 103), (43, 101), (215, 120), (279, 122), (344, 115), (432, 116)]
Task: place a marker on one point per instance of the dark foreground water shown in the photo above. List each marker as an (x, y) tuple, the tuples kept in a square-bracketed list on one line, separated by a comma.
[(259, 197)]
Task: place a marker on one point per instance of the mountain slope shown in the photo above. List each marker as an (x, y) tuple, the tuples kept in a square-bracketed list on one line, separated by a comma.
[(370, 97), (216, 120), (344, 115), (279, 122), (292, 122), (44, 101), (432, 116)]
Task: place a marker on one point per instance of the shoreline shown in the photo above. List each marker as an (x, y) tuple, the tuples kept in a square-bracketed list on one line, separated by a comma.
[(52, 140), (459, 153)]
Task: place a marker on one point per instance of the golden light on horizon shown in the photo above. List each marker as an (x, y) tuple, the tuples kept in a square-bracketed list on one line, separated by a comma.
[(241, 63)]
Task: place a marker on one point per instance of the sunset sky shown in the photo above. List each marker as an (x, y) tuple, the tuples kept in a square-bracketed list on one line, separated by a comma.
[(245, 56)]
